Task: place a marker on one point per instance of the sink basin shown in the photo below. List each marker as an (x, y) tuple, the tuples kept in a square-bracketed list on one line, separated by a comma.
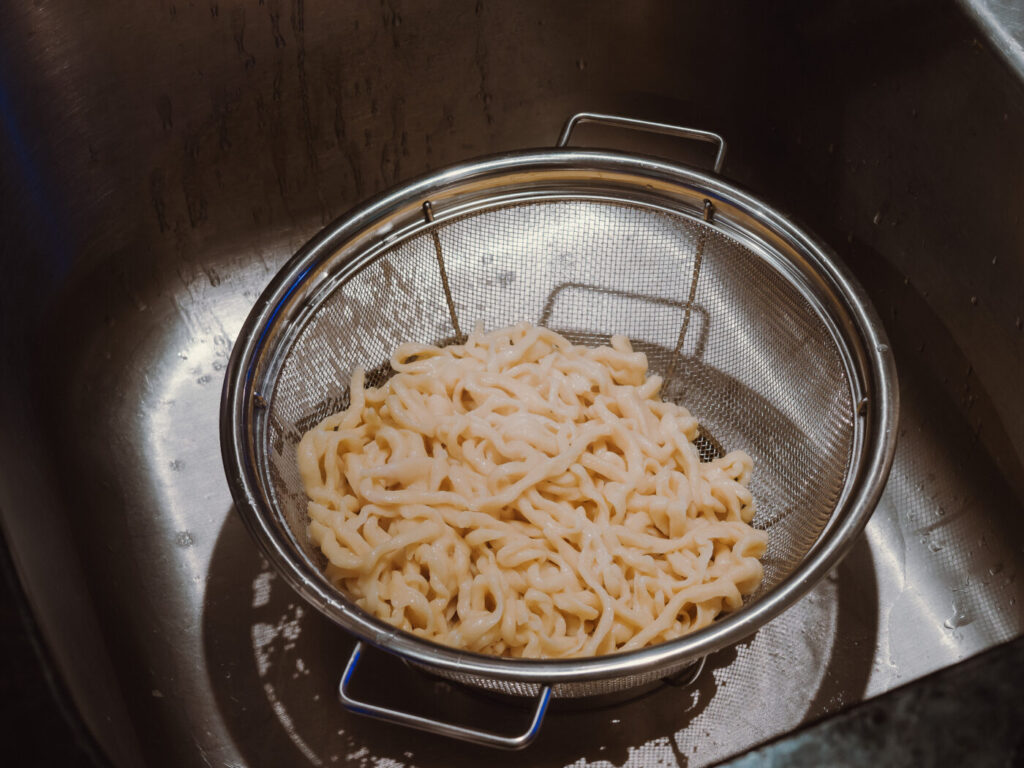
[(160, 162)]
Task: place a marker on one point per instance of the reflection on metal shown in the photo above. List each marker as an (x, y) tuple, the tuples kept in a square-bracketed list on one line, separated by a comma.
[(1002, 23), (688, 676)]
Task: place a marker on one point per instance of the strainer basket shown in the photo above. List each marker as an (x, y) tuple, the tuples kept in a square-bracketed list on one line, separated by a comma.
[(754, 326)]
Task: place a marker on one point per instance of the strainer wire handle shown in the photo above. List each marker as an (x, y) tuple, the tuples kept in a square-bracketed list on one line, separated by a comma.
[(476, 736), (665, 129)]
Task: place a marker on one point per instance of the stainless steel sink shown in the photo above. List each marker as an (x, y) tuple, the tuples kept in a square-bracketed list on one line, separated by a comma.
[(160, 161)]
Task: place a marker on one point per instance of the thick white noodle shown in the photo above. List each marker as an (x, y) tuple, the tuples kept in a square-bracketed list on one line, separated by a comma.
[(522, 496)]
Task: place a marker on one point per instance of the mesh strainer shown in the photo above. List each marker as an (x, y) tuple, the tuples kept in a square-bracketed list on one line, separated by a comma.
[(756, 329)]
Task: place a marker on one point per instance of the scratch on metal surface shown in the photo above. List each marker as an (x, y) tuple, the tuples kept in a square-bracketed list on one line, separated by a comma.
[(202, 753), (480, 59), (308, 128), (238, 33)]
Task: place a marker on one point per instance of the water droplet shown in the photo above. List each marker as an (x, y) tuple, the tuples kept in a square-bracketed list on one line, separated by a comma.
[(996, 569), (882, 347), (184, 539), (955, 621), (934, 546), (960, 617)]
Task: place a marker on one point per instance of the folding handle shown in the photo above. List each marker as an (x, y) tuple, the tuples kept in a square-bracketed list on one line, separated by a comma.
[(645, 125), (463, 733)]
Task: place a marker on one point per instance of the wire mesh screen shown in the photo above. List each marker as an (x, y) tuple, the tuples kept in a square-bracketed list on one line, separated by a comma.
[(756, 365)]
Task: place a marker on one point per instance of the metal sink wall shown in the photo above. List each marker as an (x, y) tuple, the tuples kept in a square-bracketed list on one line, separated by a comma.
[(160, 161)]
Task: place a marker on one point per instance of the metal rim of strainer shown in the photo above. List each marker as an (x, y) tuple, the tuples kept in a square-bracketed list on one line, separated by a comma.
[(353, 241)]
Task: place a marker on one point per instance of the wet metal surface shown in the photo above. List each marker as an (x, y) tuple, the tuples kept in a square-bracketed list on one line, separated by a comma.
[(956, 705), (160, 161)]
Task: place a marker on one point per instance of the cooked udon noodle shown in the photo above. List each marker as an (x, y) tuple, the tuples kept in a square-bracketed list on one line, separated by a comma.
[(520, 495)]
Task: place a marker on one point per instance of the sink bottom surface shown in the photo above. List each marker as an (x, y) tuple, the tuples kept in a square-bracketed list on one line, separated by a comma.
[(221, 662)]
